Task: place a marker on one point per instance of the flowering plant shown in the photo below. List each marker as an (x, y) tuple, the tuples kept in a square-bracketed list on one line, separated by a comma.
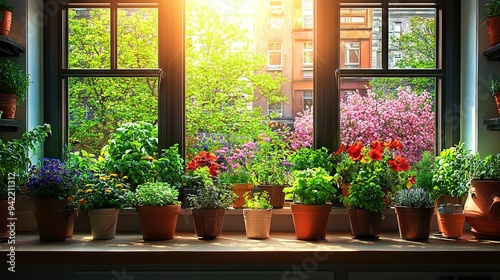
[(234, 163), (103, 191), (52, 179), (204, 158)]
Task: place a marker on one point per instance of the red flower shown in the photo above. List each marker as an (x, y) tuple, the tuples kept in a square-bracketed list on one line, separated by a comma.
[(378, 145), (403, 163), (205, 158), (394, 165), (396, 144), (340, 150), (412, 180), (354, 151), (375, 154)]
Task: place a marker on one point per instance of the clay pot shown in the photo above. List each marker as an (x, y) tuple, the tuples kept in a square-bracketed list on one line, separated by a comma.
[(8, 105), (445, 199), (493, 25), (310, 221), (158, 222), (276, 195), (103, 223), (452, 225), (208, 222), (482, 209), (51, 218), (414, 222), (240, 189), (257, 223), (364, 223), (6, 22)]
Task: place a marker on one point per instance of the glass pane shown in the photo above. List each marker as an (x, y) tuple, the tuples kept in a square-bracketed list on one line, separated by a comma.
[(412, 38), (88, 38), (138, 38), (389, 108), (360, 38), (97, 106)]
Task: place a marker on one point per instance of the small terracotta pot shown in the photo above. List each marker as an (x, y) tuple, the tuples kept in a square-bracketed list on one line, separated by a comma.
[(444, 199), (276, 195), (208, 222), (51, 218), (158, 222), (414, 223), (257, 223), (452, 225), (493, 25), (8, 103), (364, 223), (240, 189), (103, 223), (344, 188), (310, 221), (6, 22)]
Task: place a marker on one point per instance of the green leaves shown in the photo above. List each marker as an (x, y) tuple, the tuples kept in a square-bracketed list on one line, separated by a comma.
[(258, 201), (13, 79), (313, 186), (413, 197), (154, 194), (366, 194)]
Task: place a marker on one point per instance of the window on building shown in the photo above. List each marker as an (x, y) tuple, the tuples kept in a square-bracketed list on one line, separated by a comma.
[(307, 14), (275, 110), (397, 27), (307, 54), (307, 99), (352, 55), (274, 54), (276, 7)]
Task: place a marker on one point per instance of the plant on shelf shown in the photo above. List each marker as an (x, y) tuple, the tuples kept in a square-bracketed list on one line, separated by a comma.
[(493, 21), (5, 17), (258, 201), (14, 82), (257, 215), (495, 91), (169, 167), (202, 170), (305, 158), (158, 208), (423, 171), (4, 5), (414, 209)]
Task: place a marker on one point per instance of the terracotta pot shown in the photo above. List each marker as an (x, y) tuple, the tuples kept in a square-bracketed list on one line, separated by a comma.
[(414, 223), (276, 195), (310, 221), (257, 223), (103, 223), (452, 225), (482, 209), (444, 199), (51, 218), (71, 223), (494, 30), (240, 189), (8, 105), (4, 215), (497, 100), (364, 223), (344, 188), (159, 222), (6, 22), (208, 222)]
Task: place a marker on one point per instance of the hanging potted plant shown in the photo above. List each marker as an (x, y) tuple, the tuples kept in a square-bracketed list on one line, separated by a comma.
[(52, 187), (313, 191), (257, 215), (158, 208), (209, 205), (14, 84), (101, 197), (493, 21), (5, 18), (16, 155), (495, 91), (414, 209)]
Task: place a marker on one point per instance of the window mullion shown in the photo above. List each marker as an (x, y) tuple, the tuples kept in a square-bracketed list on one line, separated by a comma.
[(385, 36), (114, 36)]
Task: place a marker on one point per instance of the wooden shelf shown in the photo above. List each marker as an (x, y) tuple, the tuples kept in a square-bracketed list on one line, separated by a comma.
[(493, 53), (492, 124), (9, 47), (10, 125)]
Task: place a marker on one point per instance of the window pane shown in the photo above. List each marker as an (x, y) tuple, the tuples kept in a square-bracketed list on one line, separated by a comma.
[(360, 38), (138, 38), (88, 38), (389, 108), (412, 38), (97, 106)]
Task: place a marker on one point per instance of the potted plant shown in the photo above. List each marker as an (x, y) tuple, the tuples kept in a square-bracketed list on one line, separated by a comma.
[(209, 206), (313, 190), (482, 207), (101, 197), (14, 84), (158, 208), (169, 167), (239, 179), (414, 209), (200, 171), (495, 91), (257, 215), (15, 156), (493, 21), (52, 187), (5, 18), (451, 219)]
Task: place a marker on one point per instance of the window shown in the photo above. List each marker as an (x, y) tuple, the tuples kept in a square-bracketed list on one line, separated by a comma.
[(275, 109), (274, 56), (276, 7), (308, 53), (397, 27), (352, 55), (307, 99), (307, 14)]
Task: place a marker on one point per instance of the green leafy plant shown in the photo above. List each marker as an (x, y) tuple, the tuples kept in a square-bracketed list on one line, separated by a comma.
[(13, 79), (453, 169), (423, 171), (413, 197), (487, 168), (15, 158), (365, 194), (495, 86), (6, 6), (169, 167), (154, 194), (102, 191), (305, 158), (493, 8), (212, 196), (197, 178), (258, 201), (313, 186)]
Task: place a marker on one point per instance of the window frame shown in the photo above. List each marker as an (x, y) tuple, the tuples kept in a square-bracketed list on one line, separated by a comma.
[(308, 51), (274, 67)]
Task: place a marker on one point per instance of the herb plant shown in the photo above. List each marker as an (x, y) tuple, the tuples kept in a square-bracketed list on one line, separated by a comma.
[(258, 201), (413, 197), (487, 168), (495, 86), (103, 191), (6, 6), (493, 8), (13, 79), (305, 158), (313, 186), (423, 171), (212, 196), (169, 167), (366, 195), (154, 194)]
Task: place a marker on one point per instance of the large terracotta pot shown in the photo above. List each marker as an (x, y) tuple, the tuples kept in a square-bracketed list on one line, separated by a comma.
[(103, 223), (493, 25), (452, 225), (8, 105), (6, 22), (51, 218), (364, 223), (310, 221), (414, 222), (257, 223), (482, 209), (208, 222), (276, 195), (4, 215), (158, 222), (240, 189)]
